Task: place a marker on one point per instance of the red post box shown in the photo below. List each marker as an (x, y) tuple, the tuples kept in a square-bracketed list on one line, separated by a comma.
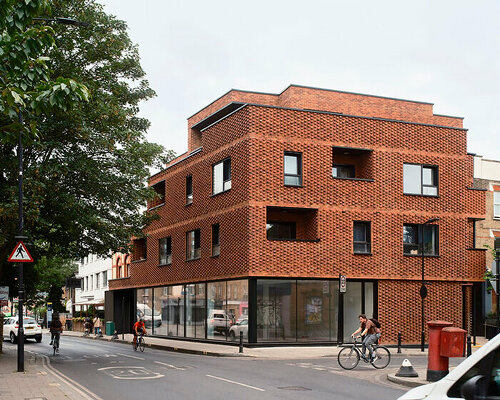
[(453, 342), (437, 365)]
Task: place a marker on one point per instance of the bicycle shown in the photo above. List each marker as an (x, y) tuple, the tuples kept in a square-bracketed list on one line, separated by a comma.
[(350, 355), (55, 343), (140, 343)]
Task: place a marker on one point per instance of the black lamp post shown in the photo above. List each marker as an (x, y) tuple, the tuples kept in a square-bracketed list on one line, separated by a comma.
[(20, 267), (423, 288)]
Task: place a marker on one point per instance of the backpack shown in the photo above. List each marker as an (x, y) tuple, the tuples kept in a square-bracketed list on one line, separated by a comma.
[(376, 323)]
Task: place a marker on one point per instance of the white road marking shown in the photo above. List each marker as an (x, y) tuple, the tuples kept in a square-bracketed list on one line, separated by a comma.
[(126, 355), (138, 372), (171, 366), (236, 383)]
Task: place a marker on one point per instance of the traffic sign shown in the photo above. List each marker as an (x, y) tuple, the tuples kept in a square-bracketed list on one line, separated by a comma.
[(343, 284), (20, 254)]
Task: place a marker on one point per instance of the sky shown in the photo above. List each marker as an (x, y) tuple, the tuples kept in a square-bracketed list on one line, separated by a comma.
[(442, 52)]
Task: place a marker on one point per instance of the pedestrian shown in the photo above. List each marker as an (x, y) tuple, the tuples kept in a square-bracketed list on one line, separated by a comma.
[(97, 325), (370, 334)]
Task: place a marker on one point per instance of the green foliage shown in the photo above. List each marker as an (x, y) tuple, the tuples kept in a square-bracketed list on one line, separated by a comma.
[(86, 163)]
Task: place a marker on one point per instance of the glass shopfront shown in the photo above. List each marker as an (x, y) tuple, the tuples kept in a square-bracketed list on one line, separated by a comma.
[(286, 310)]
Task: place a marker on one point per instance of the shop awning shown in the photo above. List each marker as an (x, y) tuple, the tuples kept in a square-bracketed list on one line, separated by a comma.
[(94, 302)]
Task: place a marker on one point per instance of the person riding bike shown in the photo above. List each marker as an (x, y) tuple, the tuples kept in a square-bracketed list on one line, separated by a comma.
[(56, 328), (370, 333), (139, 327)]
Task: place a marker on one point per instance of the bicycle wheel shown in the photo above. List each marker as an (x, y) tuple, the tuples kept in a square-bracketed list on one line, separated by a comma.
[(383, 357), (141, 344), (348, 358)]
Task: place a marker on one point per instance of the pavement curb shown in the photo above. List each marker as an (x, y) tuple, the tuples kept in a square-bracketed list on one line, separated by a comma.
[(405, 381)]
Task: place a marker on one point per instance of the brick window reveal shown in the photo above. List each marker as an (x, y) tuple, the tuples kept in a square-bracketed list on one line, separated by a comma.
[(159, 200), (139, 249)]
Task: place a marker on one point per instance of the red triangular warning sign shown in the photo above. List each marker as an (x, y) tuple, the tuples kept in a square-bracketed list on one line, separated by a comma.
[(20, 254)]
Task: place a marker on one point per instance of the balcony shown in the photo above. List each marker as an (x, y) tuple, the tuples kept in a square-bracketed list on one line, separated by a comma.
[(292, 224), (352, 163)]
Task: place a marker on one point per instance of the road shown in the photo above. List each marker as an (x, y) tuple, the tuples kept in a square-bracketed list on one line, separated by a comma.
[(105, 370)]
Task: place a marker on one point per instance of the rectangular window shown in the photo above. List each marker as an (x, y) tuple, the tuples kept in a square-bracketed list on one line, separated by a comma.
[(293, 169), (86, 283), (496, 204), (343, 171), (414, 235), (104, 278), (420, 179), (215, 240), (193, 250), (221, 176), (165, 251), (281, 230), (362, 237), (97, 276), (189, 189), (91, 282)]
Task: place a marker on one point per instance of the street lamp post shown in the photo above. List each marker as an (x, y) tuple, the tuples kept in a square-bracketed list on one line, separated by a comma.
[(20, 333), (423, 288)]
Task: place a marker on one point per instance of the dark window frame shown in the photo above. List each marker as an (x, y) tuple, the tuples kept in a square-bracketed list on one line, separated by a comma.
[(189, 190), (226, 176), (419, 237), (195, 252), (435, 174), (215, 240), (298, 157), (167, 257), (346, 167), (367, 243)]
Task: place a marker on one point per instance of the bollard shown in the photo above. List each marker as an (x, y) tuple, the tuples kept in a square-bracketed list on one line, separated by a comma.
[(399, 342), (241, 341), (469, 346)]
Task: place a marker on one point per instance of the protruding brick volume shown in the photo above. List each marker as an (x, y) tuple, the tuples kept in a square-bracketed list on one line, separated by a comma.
[(304, 186)]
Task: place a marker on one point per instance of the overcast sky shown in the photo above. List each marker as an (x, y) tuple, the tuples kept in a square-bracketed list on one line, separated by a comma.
[(442, 52)]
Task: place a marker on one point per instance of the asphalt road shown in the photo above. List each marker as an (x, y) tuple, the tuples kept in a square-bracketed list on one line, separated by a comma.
[(104, 370)]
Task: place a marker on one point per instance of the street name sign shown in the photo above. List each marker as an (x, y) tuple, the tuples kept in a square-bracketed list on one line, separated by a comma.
[(20, 254)]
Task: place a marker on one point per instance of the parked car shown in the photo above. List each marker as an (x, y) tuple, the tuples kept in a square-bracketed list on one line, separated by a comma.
[(148, 316), (218, 321), (32, 330), (240, 326), (477, 377)]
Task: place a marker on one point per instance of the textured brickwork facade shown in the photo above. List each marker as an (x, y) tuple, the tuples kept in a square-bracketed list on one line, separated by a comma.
[(318, 124)]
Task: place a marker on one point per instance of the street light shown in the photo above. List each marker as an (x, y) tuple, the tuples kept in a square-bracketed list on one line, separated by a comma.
[(20, 235), (423, 288)]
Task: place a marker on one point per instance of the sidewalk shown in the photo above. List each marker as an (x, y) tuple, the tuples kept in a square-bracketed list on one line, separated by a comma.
[(36, 382), (224, 350)]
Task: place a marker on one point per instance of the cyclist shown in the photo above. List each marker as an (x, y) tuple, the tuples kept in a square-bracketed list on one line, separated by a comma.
[(56, 328), (139, 328), (370, 334)]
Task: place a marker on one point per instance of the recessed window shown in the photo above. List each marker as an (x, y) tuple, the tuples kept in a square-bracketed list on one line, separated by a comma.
[(193, 250), (496, 204), (159, 200), (165, 251), (362, 237), (215, 240), (221, 176), (189, 189), (281, 230), (420, 179), (343, 171), (416, 237), (139, 249), (293, 169)]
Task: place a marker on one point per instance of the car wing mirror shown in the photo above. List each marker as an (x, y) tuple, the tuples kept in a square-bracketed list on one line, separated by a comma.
[(473, 388)]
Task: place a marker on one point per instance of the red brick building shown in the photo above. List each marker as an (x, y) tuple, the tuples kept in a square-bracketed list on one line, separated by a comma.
[(280, 194)]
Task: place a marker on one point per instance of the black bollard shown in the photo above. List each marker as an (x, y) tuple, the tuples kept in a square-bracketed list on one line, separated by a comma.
[(399, 342), (241, 341), (469, 346)]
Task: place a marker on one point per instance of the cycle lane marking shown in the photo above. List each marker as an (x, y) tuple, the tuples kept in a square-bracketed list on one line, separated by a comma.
[(236, 383)]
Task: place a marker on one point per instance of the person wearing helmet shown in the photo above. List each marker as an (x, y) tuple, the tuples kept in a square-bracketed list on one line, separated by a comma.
[(138, 328)]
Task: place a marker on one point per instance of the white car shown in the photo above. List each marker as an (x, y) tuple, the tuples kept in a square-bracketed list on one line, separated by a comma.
[(31, 329), (477, 377), (218, 321), (240, 326)]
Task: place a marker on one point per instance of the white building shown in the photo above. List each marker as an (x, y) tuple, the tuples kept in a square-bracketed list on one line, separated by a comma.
[(94, 272)]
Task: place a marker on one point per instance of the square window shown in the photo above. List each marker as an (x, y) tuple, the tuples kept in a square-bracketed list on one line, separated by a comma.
[(293, 169), (420, 179), (416, 237), (221, 176), (362, 237)]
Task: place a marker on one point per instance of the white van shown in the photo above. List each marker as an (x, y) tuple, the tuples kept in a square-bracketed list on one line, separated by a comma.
[(477, 377)]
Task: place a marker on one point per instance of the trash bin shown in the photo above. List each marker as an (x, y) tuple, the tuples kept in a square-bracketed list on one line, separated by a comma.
[(110, 328)]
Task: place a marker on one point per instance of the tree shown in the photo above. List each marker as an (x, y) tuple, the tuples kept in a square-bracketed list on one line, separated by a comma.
[(85, 174)]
